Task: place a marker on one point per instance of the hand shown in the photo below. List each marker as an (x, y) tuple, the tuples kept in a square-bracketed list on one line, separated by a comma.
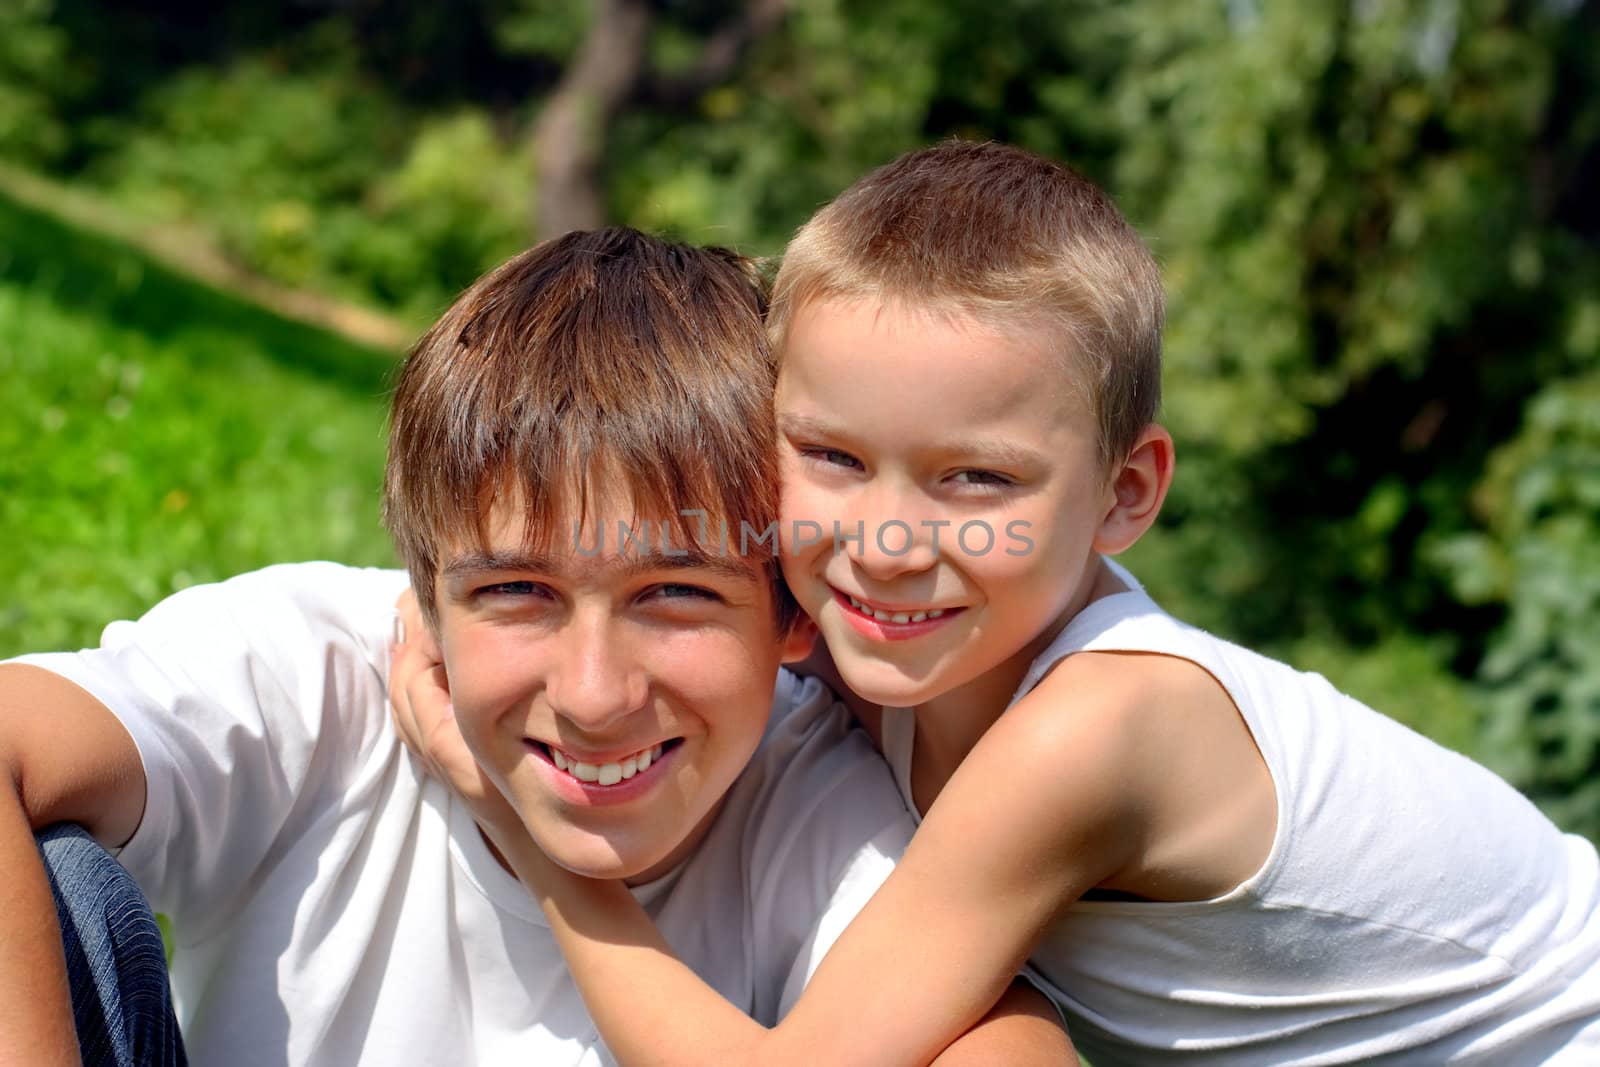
[(419, 704)]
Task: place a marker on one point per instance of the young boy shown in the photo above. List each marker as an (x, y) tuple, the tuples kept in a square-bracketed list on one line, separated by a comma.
[(333, 906), (1207, 855)]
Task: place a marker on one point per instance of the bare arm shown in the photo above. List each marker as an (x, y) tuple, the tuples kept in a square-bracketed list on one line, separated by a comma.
[(65, 758), (1022, 1030)]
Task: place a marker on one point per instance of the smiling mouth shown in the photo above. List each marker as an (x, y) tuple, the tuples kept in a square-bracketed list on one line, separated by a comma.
[(900, 618), (609, 773)]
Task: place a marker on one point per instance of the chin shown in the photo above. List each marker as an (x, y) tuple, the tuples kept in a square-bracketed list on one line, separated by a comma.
[(596, 863), (878, 682), (598, 858)]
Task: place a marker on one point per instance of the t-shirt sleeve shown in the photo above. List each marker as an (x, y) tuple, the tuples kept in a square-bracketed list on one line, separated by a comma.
[(827, 830), (252, 702)]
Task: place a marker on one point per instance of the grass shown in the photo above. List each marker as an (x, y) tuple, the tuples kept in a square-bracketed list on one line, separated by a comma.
[(160, 433)]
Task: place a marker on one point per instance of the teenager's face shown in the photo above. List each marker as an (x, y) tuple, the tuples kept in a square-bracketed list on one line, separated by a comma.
[(971, 455), (614, 698)]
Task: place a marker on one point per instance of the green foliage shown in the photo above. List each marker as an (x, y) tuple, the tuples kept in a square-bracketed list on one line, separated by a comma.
[(275, 161), (457, 204), (319, 178), (163, 434), (848, 86), (32, 78), (1540, 555), (1375, 221), (548, 29)]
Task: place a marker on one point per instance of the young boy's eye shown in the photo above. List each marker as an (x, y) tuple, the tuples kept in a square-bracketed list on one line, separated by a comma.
[(981, 477), (832, 456)]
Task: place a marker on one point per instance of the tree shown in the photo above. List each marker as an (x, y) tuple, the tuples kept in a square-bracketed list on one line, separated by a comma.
[(610, 71)]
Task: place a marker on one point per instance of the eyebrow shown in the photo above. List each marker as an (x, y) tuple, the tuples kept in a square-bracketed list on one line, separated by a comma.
[(999, 453), (628, 566), (810, 426)]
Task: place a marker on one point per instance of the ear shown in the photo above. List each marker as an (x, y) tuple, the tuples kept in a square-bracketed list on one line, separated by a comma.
[(1137, 491), (801, 638)]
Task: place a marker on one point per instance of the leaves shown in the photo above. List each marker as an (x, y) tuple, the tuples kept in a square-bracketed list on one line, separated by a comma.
[(1376, 223)]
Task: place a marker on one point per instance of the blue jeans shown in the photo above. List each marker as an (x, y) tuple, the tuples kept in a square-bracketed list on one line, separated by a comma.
[(116, 962)]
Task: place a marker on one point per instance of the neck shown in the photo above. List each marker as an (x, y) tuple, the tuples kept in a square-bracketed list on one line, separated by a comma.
[(951, 724)]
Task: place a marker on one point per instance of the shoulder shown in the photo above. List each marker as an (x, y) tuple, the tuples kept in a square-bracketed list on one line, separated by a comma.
[(314, 596), (1121, 702), (1100, 752), (817, 795), (813, 739), (1175, 765), (285, 642), (282, 614)]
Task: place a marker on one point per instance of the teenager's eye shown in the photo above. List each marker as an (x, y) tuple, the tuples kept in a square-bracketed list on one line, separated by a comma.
[(513, 589), (832, 456), (681, 591), (981, 477)]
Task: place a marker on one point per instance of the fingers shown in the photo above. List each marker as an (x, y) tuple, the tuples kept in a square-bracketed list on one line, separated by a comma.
[(444, 747), (425, 720), (416, 681), (414, 628)]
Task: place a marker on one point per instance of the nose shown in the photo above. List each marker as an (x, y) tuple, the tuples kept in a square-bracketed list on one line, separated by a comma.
[(892, 534), (596, 682)]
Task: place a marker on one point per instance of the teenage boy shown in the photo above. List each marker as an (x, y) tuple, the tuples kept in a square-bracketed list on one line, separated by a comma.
[(330, 904)]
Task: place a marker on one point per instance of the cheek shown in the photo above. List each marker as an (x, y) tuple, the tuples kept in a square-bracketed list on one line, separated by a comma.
[(487, 671), (725, 681), (800, 497), (1028, 563), (806, 517), (999, 569)]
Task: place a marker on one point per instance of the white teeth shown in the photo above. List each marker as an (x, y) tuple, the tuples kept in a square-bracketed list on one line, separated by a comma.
[(605, 773), (894, 616)]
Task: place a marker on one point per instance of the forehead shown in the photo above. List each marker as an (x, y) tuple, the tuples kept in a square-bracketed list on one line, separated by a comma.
[(924, 370), (601, 533)]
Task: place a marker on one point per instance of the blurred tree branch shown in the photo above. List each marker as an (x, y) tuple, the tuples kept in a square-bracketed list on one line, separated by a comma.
[(611, 71)]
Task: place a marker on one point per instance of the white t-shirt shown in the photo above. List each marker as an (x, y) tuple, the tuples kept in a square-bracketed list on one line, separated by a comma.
[(332, 905), (1413, 909)]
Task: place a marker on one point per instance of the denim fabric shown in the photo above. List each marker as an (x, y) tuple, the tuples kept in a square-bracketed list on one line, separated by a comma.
[(116, 962)]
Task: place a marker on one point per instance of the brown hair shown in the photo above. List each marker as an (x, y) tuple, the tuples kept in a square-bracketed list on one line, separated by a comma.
[(603, 353), (994, 232)]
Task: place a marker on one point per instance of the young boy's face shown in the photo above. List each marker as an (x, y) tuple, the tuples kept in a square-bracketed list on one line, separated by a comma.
[(968, 464), (614, 698)]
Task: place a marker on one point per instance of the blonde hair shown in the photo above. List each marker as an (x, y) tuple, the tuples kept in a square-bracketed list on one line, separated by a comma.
[(1009, 238), (599, 354)]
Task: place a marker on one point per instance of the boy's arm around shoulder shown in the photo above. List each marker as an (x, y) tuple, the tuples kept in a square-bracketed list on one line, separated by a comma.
[(1038, 813), (65, 758), (850, 790)]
